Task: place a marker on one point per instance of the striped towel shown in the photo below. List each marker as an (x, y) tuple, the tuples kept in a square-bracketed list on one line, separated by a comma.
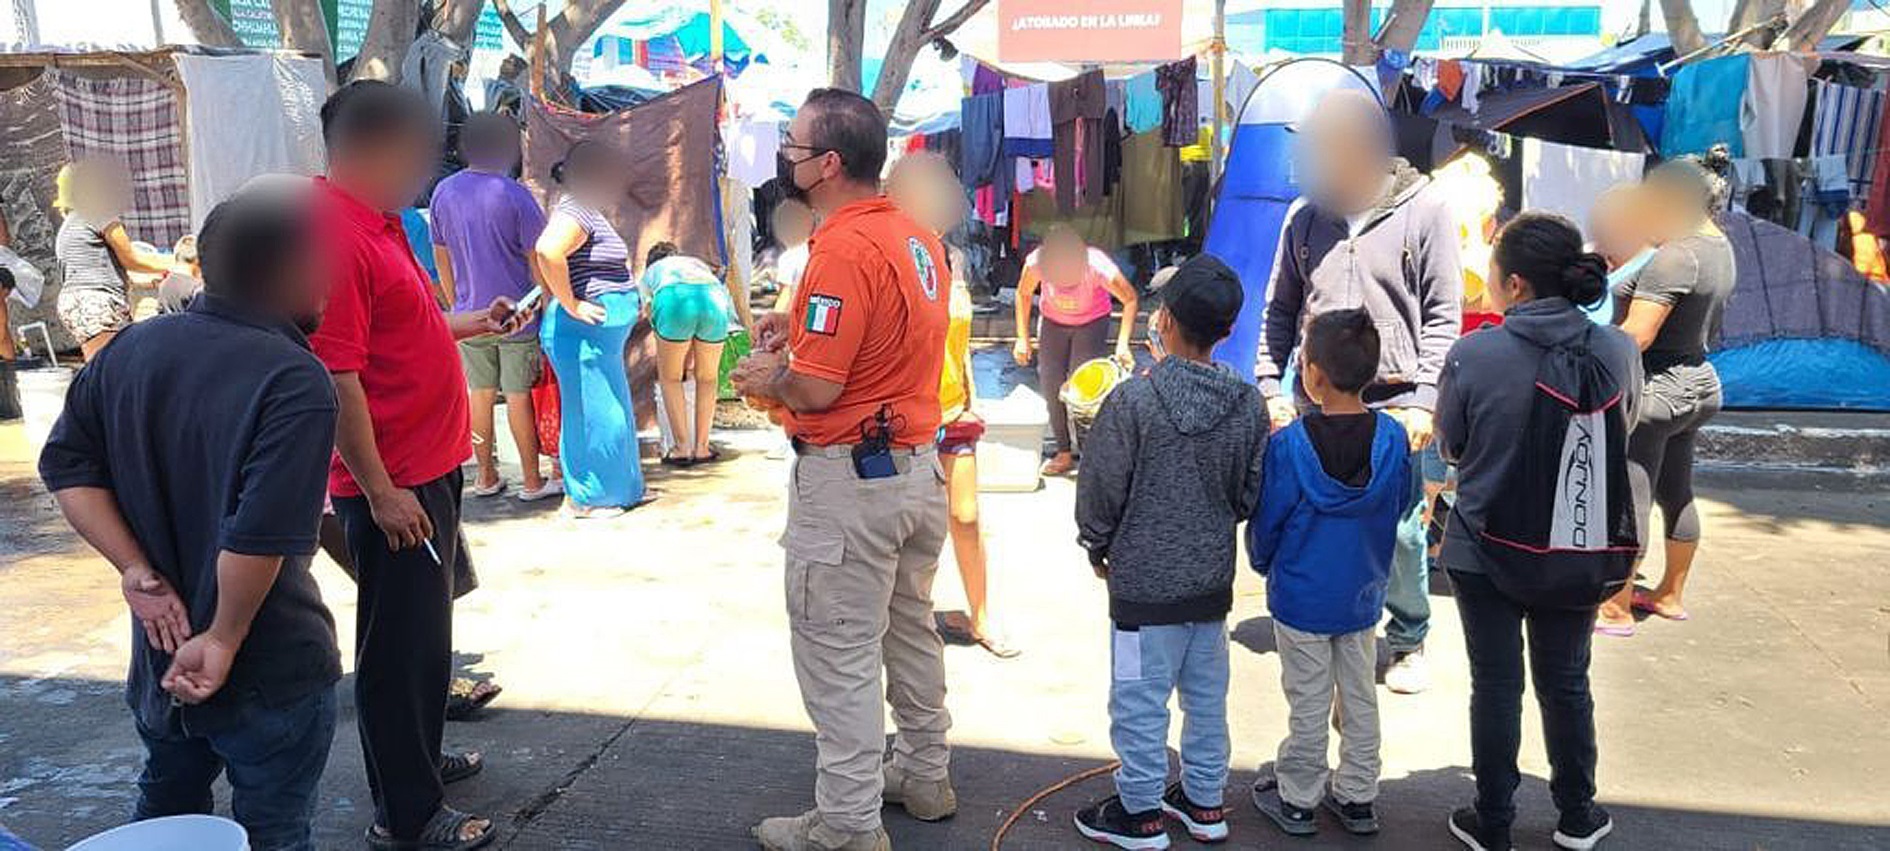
[(135, 121), (1845, 123)]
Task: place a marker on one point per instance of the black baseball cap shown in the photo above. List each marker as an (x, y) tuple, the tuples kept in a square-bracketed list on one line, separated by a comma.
[(1203, 296)]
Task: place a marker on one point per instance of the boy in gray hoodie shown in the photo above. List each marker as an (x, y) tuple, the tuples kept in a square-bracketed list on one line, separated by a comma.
[(1170, 470)]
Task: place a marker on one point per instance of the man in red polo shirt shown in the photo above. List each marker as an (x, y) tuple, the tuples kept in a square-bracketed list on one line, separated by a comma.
[(401, 436)]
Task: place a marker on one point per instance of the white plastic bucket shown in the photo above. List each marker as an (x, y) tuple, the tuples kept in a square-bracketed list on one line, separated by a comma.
[(171, 833), (42, 398)]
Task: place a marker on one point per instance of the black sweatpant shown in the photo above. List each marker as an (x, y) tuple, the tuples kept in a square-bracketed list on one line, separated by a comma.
[(404, 653), (1493, 627), (1678, 402), (1061, 348)]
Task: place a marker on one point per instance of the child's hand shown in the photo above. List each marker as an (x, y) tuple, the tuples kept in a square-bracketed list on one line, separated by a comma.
[(1099, 563)]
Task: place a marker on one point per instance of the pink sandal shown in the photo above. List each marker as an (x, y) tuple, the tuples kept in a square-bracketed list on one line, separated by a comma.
[(1644, 603), (1625, 630)]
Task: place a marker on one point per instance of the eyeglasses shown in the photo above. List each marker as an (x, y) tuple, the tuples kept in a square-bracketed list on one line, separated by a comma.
[(815, 151)]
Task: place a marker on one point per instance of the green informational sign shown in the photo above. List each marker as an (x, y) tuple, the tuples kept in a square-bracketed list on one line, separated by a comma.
[(255, 23)]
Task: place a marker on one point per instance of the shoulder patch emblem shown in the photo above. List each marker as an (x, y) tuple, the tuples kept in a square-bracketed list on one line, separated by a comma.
[(922, 263), (823, 314)]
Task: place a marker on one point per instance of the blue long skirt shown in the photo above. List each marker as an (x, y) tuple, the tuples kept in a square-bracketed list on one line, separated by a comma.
[(597, 444)]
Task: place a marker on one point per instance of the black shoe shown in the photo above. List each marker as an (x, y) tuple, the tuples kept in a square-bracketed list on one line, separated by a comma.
[(1296, 821), (1205, 824), (1107, 822), (1357, 819), (1468, 827), (1584, 830)]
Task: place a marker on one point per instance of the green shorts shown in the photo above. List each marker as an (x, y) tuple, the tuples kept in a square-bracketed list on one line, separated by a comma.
[(684, 311), (508, 366)]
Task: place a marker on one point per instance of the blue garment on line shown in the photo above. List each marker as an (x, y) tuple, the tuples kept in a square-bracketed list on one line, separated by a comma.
[(597, 441), (1143, 102), (979, 154), (1703, 107)]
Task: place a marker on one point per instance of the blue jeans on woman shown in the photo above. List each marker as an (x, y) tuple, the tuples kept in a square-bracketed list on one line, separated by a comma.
[(273, 759), (1151, 663), (597, 441)]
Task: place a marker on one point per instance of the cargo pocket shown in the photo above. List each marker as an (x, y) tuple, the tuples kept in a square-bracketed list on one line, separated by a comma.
[(811, 545), (1397, 361)]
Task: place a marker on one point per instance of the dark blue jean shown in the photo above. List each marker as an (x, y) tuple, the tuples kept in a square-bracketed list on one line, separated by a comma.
[(273, 758)]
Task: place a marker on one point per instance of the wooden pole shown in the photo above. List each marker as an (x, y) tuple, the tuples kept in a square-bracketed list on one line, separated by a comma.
[(538, 56), (1220, 90), (715, 36)]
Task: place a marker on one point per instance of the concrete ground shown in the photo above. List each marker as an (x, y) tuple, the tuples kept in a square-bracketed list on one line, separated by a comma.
[(649, 702)]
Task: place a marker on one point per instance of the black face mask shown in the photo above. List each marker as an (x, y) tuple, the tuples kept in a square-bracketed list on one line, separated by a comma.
[(784, 175)]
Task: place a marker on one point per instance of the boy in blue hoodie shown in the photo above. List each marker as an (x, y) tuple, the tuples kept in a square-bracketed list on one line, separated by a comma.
[(1337, 483)]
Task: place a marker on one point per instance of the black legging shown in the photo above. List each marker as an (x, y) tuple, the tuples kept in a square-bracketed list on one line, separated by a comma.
[(1061, 348), (1660, 449)]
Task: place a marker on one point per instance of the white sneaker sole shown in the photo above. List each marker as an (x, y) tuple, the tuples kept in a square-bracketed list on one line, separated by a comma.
[(1583, 843), (1153, 843), (1209, 833)]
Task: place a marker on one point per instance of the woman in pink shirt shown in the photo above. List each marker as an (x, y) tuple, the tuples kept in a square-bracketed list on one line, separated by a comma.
[(1079, 283)]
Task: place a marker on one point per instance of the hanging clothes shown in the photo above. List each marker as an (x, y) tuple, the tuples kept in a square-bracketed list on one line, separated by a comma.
[(983, 124), (1845, 122), (1112, 151), (1027, 121), (133, 120), (1450, 78), (1567, 179), (1144, 103), (1704, 107), (1774, 105), (1472, 85), (1151, 190), (1181, 110), (1877, 204), (1077, 106)]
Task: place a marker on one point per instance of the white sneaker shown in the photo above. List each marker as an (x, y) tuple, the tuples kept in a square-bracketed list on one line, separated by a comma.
[(553, 486), (1409, 672)]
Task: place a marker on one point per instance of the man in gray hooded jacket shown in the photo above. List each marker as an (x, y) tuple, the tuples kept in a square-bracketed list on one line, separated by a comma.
[(1371, 233)]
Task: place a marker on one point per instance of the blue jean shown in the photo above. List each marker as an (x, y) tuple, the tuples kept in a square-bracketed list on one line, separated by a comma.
[(273, 760), (1151, 663), (1408, 598), (597, 440)]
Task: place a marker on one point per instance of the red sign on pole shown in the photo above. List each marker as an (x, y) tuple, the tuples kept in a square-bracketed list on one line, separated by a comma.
[(1089, 30)]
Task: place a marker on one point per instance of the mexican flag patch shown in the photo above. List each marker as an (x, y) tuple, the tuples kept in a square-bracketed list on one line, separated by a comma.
[(823, 314)]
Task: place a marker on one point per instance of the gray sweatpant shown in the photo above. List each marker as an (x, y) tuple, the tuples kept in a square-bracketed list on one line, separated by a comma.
[(1312, 669)]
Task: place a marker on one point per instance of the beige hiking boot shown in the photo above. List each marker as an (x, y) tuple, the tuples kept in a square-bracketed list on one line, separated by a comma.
[(806, 832), (925, 800)]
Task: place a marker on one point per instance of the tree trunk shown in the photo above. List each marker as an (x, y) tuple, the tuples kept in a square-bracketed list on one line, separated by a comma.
[(1645, 23), (1403, 25), (457, 19), (1749, 13), (901, 50), (1357, 47), (304, 28), (1683, 29), (846, 43), (1814, 24), (206, 24), (390, 32)]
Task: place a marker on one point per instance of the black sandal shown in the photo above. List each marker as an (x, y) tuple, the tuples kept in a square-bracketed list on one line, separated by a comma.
[(442, 833), (713, 456), (455, 767), (466, 696), (678, 461)]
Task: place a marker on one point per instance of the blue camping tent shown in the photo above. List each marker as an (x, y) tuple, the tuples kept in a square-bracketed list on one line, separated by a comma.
[(1257, 189)]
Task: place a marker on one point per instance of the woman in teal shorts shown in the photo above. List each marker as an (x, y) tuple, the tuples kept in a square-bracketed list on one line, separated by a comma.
[(691, 309)]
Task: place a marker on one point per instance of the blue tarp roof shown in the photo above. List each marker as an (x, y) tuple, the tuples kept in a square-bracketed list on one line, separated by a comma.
[(1645, 52)]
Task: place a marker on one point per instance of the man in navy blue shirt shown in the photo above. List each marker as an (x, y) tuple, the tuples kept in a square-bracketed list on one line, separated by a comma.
[(193, 454)]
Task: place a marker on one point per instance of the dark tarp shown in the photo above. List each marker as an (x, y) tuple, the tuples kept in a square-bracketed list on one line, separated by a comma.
[(1580, 114), (1789, 288), (32, 148)]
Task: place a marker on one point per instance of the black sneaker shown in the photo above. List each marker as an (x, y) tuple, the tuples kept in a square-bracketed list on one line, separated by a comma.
[(1205, 824), (1468, 827), (1584, 830), (1295, 821), (1357, 819), (1107, 822)]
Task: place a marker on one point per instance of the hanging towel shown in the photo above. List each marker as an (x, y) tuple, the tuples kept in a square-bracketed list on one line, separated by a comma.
[(1181, 109), (1027, 121), (1704, 106), (1472, 85), (1144, 103), (1877, 204), (1151, 190), (983, 123), (1844, 123), (1774, 106), (1025, 178), (134, 121), (225, 154), (751, 147), (1567, 178)]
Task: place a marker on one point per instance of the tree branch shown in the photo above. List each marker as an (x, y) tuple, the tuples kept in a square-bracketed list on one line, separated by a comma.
[(207, 24), (955, 20), (513, 27)]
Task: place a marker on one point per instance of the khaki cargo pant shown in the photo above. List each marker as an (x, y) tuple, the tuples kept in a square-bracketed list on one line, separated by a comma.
[(861, 555)]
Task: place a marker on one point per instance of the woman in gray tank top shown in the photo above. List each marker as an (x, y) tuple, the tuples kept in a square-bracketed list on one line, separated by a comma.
[(96, 254)]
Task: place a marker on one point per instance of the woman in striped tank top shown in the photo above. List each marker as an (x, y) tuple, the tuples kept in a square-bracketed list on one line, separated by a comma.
[(586, 270)]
